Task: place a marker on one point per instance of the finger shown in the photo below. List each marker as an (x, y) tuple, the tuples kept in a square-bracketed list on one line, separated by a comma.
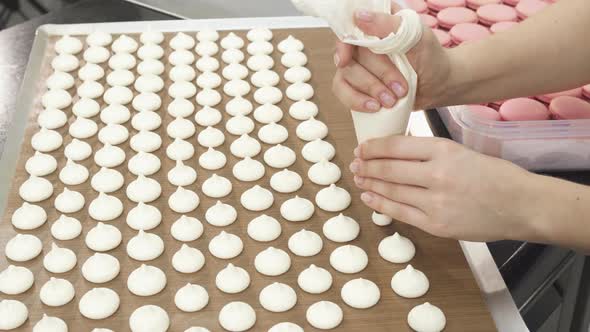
[(399, 211), (392, 170), (352, 98), (382, 67), (376, 24), (398, 147), (343, 55), (410, 195), (364, 81)]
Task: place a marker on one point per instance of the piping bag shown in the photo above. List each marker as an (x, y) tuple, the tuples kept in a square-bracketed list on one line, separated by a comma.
[(339, 14)]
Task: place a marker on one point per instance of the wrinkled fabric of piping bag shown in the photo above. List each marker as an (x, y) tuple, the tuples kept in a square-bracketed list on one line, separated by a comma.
[(339, 14)]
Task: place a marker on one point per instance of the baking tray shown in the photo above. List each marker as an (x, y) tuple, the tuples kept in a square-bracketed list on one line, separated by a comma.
[(453, 287)]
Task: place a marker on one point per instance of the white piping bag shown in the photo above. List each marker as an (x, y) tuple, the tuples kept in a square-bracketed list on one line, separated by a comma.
[(339, 14)]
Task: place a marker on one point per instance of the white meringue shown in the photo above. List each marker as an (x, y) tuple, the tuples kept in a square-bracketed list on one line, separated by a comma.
[(216, 186), (333, 199), (46, 140), (426, 318), (90, 90), (56, 292), (221, 214), (150, 66), (314, 280), (59, 260), (68, 45), (324, 173), (99, 38), (234, 71), (59, 99), (299, 91), (61, 81), (232, 279), (14, 314), (294, 59), (121, 95), (341, 228), (260, 47), (360, 293), (324, 315), (100, 268), (305, 243), (272, 262), (410, 283), (238, 105), (109, 156), (146, 280), (69, 201), (208, 116), (268, 113), (143, 189), (120, 77), (144, 163), (146, 101), (273, 133), (122, 61), (151, 37), (145, 246), (149, 317), (248, 170), (181, 57), (105, 207), (145, 141), (103, 237), (113, 134), (180, 150), (211, 137), (206, 48), (107, 180), (82, 128), (268, 95), (285, 327), (232, 55), (182, 73), (52, 118), (234, 88), (182, 41), (396, 249), (212, 159), (16, 280), (245, 146), (297, 209), (180, 128), (258, 34), (124, 44), (239, 125), (191, 298), (225, 245), (150, 51), (349, 259), (257, 198), (66, 228), (65, 62), (231, 41), (99, 303), (264, 228), (264, 78), (207, 34), (41, 164), (297, 74), (319, 150), (86, 108), (381, 219), (207, 64), (237, 316), (186, 229), (303, 110), (183, 200), (148, 83), (188, 260), (117, 114), (311, 129), (90, 72), (260, 62), (180, 107), (208, 97), (143, 217), (28, 217), (277, 297), (279, 156), (181, 175), (208, 80), (290, 44), (286, 181), (35, 189)]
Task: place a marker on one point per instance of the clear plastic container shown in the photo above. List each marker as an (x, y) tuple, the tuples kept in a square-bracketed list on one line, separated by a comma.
[(549, 145)]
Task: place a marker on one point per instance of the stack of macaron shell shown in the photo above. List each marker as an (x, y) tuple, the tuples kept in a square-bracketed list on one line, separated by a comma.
[(569, 108), (527, 8), (449, 17), (547, 98), (484, 112), (524, 109), (429, 21), (496, 13)]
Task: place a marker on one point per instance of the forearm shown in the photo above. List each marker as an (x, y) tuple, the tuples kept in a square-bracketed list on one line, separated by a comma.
[(562, 213), (545, 53)]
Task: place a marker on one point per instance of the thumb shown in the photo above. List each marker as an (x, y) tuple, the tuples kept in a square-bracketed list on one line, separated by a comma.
[(376, 24)]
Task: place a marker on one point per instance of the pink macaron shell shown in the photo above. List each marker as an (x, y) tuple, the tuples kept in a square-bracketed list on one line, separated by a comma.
[(523, 109), (569, 108), (474, 4), (494, 13), (547, 98), (468, 32), (484, 112), (502, 26), (527, 8), (511, 2), (438, 5), (429, 21), (586, 91), (449, 17), (443, 37), (418, 5)]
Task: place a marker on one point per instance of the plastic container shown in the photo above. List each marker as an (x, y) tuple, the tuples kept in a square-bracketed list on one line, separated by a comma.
[(550, 145)]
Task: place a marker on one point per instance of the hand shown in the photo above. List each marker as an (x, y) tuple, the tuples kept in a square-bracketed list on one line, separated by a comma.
[(446, 189), (365, 81)]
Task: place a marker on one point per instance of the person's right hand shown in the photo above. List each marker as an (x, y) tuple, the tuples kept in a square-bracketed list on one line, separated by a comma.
[(365, 81)]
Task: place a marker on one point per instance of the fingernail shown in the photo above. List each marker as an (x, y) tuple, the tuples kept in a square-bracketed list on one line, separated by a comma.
[(372, 105), (357, 151), (387, 99), (398, 89), (365, 15), (336, 59), (354, 166), (359, 180), (366, 197)]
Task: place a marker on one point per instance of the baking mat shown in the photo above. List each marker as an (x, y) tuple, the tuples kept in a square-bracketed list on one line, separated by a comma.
[(452, 286)]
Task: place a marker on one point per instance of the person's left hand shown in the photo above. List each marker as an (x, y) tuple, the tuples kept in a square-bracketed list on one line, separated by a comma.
[(446, 189)]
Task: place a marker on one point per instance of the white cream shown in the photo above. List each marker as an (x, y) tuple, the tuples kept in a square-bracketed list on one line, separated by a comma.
[(186, 229), (146, 280), (297, 209), (264, 228), (272, 262), (279, 156), (314, 280), (257, 198), (305, 243), (277, 297), (349, 259)]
